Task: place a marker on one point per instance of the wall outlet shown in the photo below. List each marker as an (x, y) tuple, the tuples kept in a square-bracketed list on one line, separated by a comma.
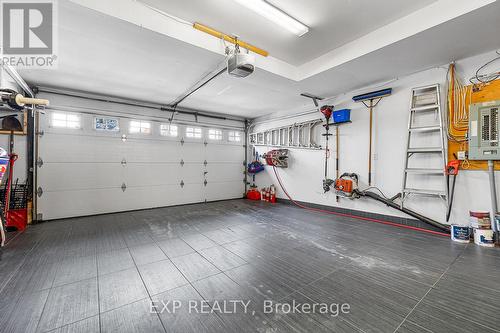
[(461, 155)]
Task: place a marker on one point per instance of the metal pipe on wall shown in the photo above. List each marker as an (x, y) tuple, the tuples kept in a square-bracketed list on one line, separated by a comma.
[(493, 195), (370, 145), (100, 98), (246, 156)]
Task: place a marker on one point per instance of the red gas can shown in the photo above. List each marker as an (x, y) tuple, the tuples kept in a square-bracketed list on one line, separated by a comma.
[(253, 194)]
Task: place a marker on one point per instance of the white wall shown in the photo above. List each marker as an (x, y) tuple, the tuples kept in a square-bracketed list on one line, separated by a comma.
[(303, 179)]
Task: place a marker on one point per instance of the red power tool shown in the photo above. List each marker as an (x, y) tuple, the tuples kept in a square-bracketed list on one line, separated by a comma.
[(327, 111)]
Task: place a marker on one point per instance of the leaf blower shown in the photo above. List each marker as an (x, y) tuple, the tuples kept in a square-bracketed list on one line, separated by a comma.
[(327, 111)]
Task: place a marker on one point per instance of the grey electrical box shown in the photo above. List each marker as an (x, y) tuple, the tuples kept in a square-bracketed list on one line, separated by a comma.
[(484, 125)]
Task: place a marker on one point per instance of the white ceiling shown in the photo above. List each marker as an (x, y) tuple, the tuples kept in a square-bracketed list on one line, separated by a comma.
[(102, 54), (332, 23)]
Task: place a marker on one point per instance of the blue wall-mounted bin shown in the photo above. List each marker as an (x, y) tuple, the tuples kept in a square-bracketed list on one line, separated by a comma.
[(341, 116)]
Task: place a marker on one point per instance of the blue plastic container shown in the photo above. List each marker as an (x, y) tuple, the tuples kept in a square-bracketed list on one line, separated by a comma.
[(341, 116)]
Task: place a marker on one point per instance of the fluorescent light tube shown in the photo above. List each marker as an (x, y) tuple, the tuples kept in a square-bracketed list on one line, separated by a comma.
[(275, 15)]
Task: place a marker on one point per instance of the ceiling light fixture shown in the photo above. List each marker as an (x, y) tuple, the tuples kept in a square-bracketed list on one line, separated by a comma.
[(275, 15)]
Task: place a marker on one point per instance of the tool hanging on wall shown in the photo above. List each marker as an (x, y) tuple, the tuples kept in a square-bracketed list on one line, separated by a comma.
[(17, 101), (15, 201), (327, 111), (254, 168), (371, 100), (451, 170), (4, 163), (277, 158), (337, 164), (11, 123)]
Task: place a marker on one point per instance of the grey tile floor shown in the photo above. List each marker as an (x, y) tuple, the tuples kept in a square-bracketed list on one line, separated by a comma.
[(101, 273)]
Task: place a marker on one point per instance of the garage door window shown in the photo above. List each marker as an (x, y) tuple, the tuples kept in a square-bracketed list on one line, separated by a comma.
[(65, 120), (106, 124), (215, 134), (142, 127), (193, 132), (168, 130), (234, 136)]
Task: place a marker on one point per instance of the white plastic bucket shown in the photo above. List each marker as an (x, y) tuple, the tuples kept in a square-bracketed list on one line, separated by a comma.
[(484, 237)]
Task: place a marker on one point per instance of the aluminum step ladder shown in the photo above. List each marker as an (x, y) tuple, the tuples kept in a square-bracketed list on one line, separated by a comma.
[(425, 101)]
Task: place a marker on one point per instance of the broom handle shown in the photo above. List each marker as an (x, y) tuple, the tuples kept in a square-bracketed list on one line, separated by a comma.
[(21, 100)]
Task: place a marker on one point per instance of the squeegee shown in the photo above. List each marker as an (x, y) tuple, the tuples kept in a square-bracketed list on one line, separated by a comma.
[(370, 100)]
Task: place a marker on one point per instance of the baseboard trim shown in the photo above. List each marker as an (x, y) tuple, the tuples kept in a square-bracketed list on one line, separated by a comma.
[(358, 213)]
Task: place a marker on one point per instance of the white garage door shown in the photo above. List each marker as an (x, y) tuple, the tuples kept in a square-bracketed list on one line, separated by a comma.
[(101, 161)]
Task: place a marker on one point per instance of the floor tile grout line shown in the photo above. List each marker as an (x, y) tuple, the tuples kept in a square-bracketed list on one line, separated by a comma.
[(319, 323), (221, 271), (98, 293), (146, 288), (425, 329), (189, 282), (46, 300), (346, 320), (430, 289), (68, 324), (451, 311), (320, 278), (25, 256), (185, 277)]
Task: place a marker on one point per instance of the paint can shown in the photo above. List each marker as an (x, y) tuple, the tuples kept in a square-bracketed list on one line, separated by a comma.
[(484, 237), (460, 233), (480, 220)]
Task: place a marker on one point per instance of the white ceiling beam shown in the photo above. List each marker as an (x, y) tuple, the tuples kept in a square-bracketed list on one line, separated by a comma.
[(433, 15), (143, 16)]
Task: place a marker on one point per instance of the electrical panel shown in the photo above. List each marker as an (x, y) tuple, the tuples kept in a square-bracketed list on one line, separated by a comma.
[(484, 126)]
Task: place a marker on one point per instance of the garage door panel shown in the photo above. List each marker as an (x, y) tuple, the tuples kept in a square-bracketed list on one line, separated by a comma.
[(167, 195), (74, 176), (191, 152), (225, 190), (177, 195), (153, 174), (84, 170), (193, 173), (61, 204), (229, 153), (71, 148), (223, 171), (153, 150)]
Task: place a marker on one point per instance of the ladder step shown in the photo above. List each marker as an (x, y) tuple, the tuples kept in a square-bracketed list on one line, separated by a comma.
[(424, 191), (425, 171), (426, 88), (426, 107), (425, 129), (425, 150)]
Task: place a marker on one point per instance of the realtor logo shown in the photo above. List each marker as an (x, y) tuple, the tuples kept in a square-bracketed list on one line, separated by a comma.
[(28, 33)]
